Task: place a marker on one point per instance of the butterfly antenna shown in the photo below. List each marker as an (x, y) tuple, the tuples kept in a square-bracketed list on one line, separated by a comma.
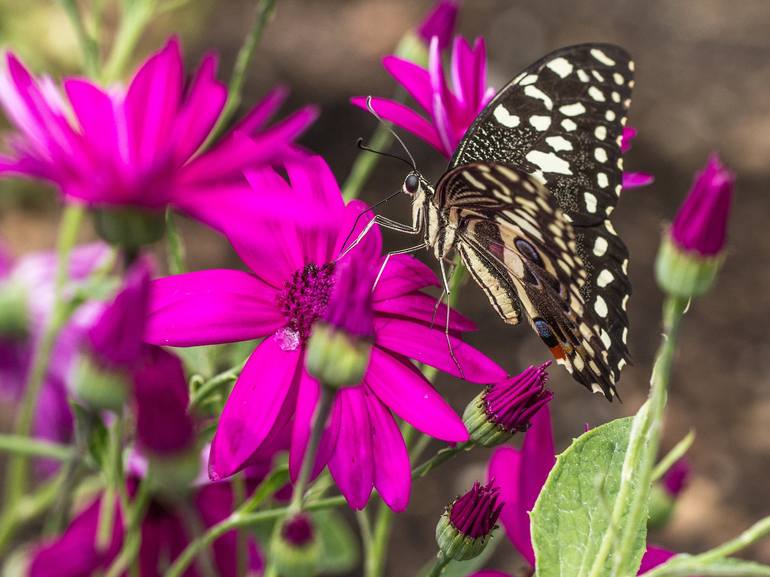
[(393, 132), (360, 144)]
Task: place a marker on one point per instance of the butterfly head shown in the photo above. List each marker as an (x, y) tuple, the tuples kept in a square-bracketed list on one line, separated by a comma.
[(415, 185)]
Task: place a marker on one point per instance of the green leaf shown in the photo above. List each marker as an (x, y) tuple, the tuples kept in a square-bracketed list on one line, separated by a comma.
[(339, 545), (688, 565), (573, 511)]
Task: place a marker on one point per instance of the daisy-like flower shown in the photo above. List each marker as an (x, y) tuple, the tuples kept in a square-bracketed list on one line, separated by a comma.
[(520, 476), (292, 255), (138, 145), (450, 111)]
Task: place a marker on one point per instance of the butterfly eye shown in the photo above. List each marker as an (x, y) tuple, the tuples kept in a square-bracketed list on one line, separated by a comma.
[(412, 184), (528, 251)]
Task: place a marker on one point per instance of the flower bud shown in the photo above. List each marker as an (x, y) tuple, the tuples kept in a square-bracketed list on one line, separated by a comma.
[(505, 408), (466, 526), (664, 494), (14, 310), (129, 227), (692, 249), (339, 348), (295, 547), (440, 22)]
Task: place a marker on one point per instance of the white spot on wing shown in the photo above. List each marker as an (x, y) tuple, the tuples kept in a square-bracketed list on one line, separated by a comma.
[(596, 94), (606, 341), (561, 66), (605, 277), (575, 109), (583, 76), (540, 123), (618, 78), (568, 125), (602, 57), (529, 79), (548, 162), (600, 154), (610, 115), (615, 97), (600, 246), (535, 92), (602, 180), (506, 118), (600, 306), (600, 132), (591, 202), (558, 143)]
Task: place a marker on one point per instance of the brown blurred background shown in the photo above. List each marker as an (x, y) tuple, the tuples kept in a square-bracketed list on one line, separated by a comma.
[(703, 80)]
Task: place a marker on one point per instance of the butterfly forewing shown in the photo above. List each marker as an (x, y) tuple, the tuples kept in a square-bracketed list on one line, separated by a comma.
[(561, 120), (517, 244)]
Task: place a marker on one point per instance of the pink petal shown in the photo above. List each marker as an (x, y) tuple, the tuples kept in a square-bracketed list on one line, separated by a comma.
[(404, 274), (312, 178), (403, 116), (352, 465), (407, 393), (392, 471), (653, 557), (412, 77), (505, 471), (420, 307), (95, 112), (259, 115), (430, 346), (307, 400), (212, 306), (251, 411), (370, 247), (637, 179), (199, 114)]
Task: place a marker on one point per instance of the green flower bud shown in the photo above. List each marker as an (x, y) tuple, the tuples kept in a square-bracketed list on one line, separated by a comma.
[(129, 227), (14, 313), (685, 274), (99, 386), (336, 358), (466, 526), (295, 548)]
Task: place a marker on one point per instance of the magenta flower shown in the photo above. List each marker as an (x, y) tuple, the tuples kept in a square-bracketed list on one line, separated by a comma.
[(138, 145), (165, 532), (440, 22), (700, 226), (466, 526), (292, 256), (676, 478), (33, 277), (633, 179), (520, 475), (450, 111)]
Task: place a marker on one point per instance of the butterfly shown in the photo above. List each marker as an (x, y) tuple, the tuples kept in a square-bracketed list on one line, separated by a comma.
[(525, 202)]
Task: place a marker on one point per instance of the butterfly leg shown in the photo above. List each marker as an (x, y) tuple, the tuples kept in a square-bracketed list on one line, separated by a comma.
[(390, 254), (447, 292), (384, 223)]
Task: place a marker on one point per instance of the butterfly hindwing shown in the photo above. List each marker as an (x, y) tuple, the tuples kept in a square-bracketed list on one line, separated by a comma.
[(561, 120), (517, 244)]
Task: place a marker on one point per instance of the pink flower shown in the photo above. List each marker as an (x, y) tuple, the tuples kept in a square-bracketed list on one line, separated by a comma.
[(292, 256), (700, 226), (137, 145), (520, 475), (450, 111), (633, 179), (440, 22)]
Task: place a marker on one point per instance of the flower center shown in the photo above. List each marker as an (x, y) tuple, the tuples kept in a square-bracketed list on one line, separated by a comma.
[(302, 300)]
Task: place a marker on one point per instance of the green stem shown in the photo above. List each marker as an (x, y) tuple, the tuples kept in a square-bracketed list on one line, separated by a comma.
[(136, 15), (265, 9), (439, 565), (673, 456), (375, 560), (35, 447), (133, 537), (17, 473), (365, 526), (114, 484), (241, 551), (88, 44), (239, 520), (365, 163), (319, 422), (174, 245), (205, 559), (439, 458), (213, 384)]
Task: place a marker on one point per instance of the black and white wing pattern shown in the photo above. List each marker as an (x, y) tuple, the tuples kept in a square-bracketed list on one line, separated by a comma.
[(561, 121), (521, 250)]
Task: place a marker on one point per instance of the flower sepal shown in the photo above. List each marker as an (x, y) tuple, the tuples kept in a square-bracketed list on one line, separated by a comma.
[(481, 429), (685, 273), (296, 548), (14, 313), (129, 227), (100, 386), (455, 545), (336, 358), (169, 473), (466, 526)]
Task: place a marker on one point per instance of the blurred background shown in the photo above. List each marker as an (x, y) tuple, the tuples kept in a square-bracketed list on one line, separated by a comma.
[(703, 79)]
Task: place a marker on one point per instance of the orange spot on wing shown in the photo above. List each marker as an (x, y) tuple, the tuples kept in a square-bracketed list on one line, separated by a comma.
[(558, 352)]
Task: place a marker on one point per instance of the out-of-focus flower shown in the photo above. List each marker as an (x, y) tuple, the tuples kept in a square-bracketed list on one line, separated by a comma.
[(520, 476), (296, 548), (676, 478), (665, 493), (633, 179), (439, 22), (466, 526), (506, 407), (341, 344), (139, 145), (165, 532), (450, 111), (281, 300), (692, 249), (32, 277)]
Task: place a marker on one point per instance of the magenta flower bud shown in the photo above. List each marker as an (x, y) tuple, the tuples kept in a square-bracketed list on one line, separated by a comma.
[(440, 22), (466, 526), (676, 478), (295, 548), (693, 247), (507, 407), (700, 226), (340, 346)]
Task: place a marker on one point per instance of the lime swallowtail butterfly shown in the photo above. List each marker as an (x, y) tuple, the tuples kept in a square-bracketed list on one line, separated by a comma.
[(526, 201)]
